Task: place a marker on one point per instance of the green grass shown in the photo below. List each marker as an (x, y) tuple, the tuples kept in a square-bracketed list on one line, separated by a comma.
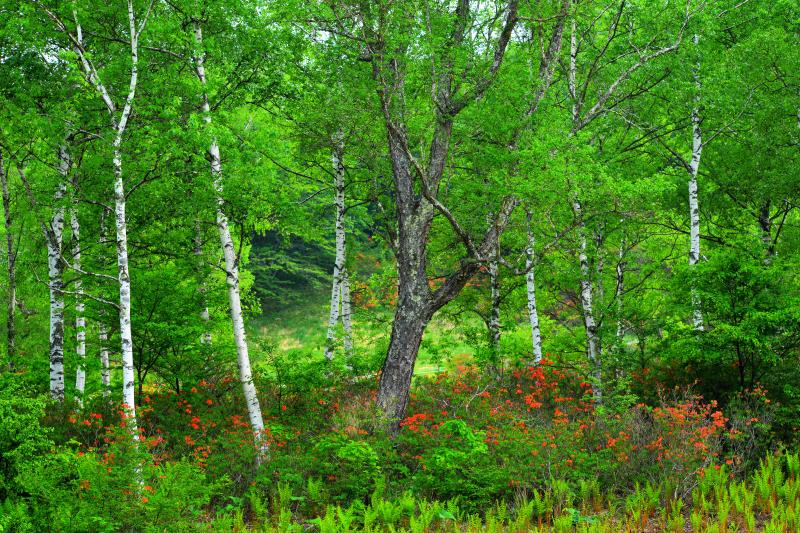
[(301, 330)]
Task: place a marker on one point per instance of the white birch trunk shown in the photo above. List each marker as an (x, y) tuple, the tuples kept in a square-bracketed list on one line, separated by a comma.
[(231, 270), (694, 209), (102, 334), (494, 317), (125, 332), (118, 124), (105, 370), (80, 319), (530, 283), (55, 263), (592, 340), (339, 267), (620, 293), (347, 322), (333, 315), (600, 290), (205, 339)]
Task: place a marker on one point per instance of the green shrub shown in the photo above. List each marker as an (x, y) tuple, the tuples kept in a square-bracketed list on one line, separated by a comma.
[(350, 467)]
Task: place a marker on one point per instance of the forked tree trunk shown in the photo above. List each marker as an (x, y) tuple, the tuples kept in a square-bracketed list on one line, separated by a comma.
[(416, 191), (231, 269)]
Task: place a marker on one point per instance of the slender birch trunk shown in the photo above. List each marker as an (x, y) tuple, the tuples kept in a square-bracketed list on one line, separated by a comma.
[(347, 322), (102, 333), (599, 266), (12, 274), (231, 268), (340, 278), (204, 314), (333, 316), (694, 209), (119, 123), (125, 332), (530, 283), (105, 370), (494, 317), (592, 339), (620, 293), (54, 237), (80, 319)]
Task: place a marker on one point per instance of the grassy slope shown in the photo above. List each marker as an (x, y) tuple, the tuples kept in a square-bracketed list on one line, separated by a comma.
[(301, 329)]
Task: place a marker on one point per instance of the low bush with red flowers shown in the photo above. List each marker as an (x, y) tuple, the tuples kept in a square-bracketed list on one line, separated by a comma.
[(469, 436)]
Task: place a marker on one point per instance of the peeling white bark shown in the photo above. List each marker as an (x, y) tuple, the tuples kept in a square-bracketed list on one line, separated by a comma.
[(333, 315), (125, 332), (530, 283), (80, 319), (54, 237), (231, 268)]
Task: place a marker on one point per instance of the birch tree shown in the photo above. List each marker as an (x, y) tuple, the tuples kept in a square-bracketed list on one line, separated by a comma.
[(340, 290), (530, 285), (80, 318), (55, 273), (610, 93), (231, 260), (118, 122), (694, 208)]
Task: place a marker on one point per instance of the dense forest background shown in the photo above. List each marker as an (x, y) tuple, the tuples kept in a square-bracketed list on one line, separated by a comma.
[(400, 264)]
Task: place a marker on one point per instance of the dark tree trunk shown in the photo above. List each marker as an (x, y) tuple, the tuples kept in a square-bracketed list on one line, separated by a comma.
[(409, 325), (765, 224), (416, 188)]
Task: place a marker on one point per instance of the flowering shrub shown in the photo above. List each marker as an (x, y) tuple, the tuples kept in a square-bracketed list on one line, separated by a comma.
[(539, 423), (468, 436)]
